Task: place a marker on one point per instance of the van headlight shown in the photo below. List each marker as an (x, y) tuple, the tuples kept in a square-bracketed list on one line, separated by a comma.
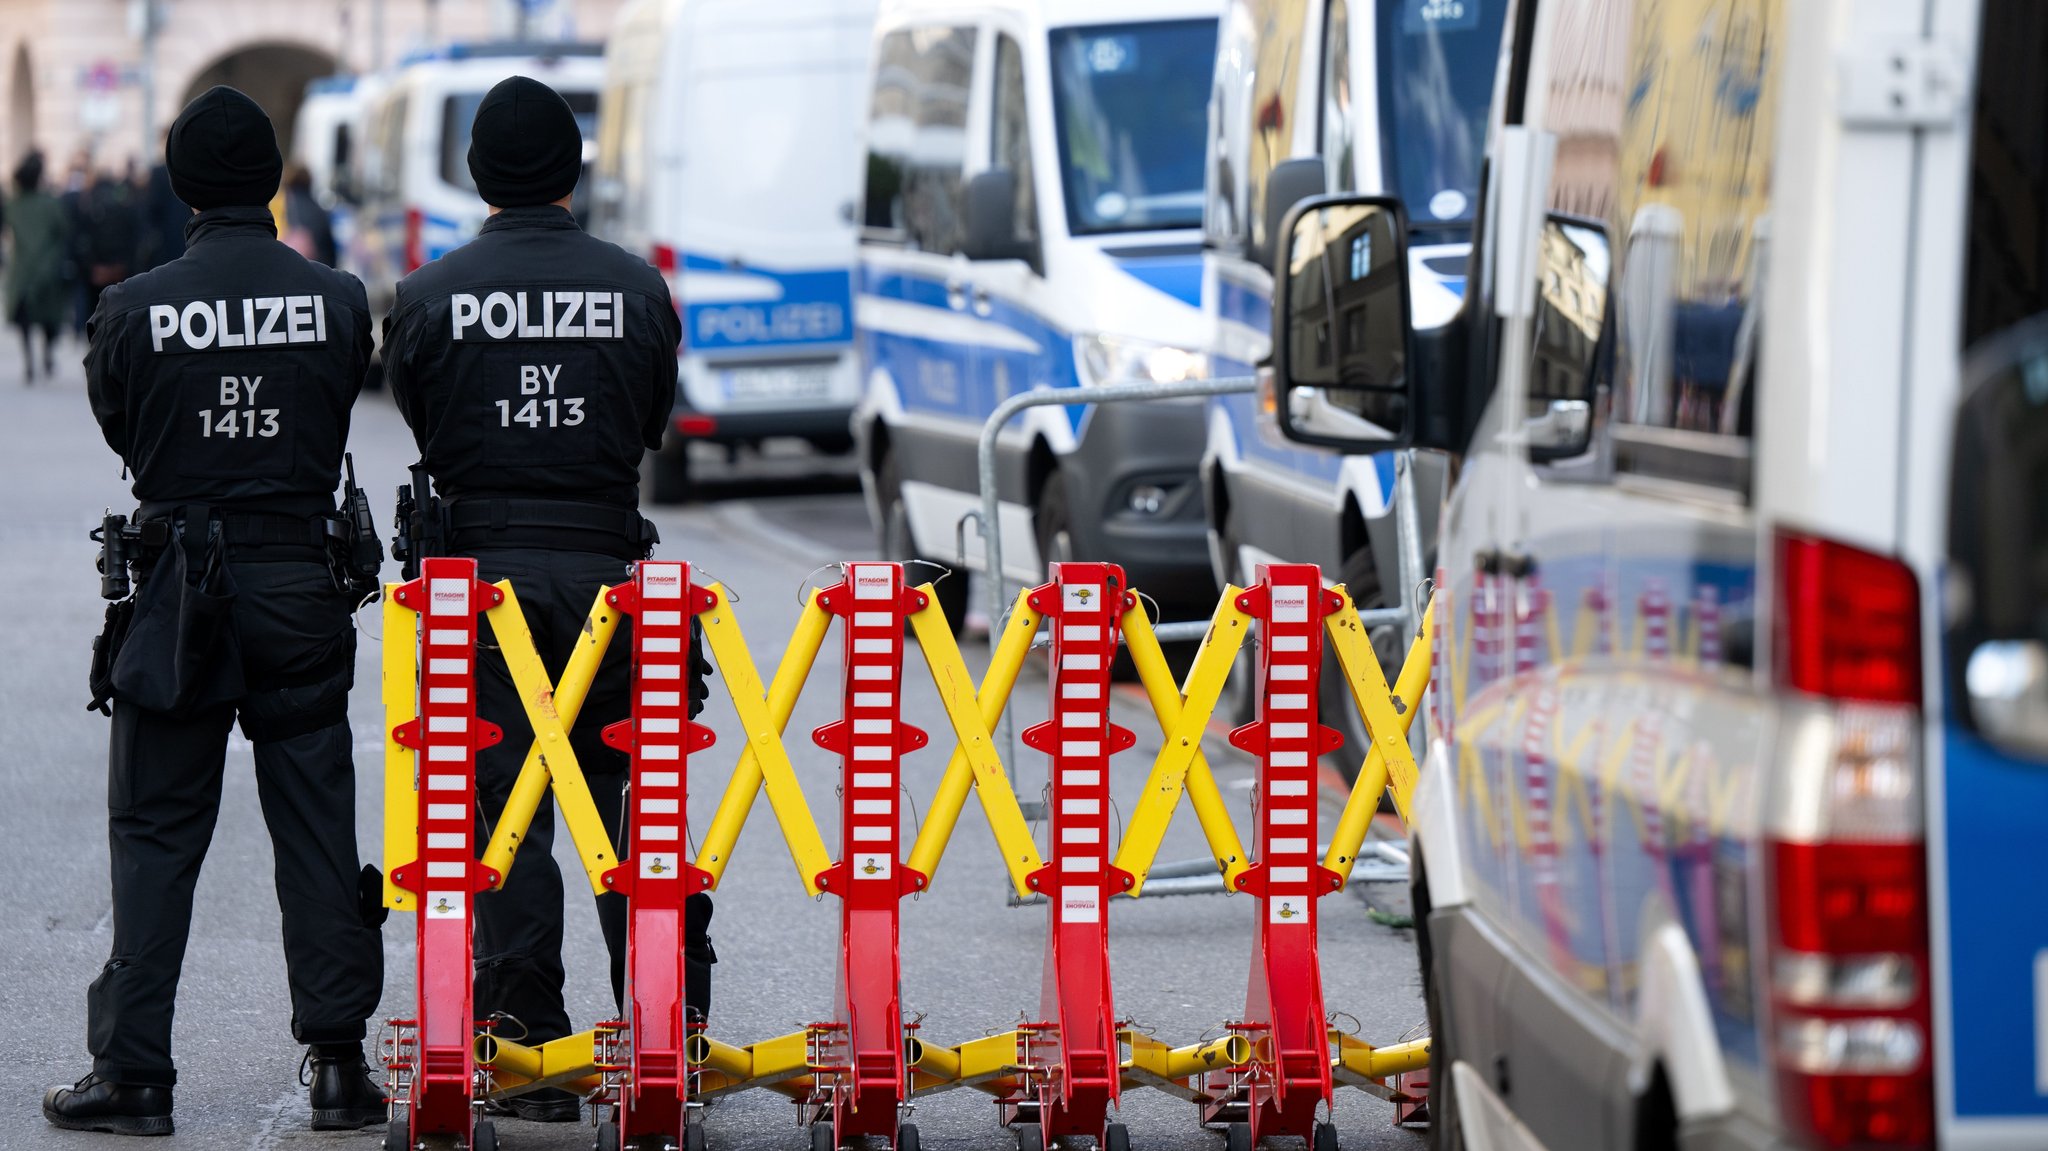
[(1101, 359)]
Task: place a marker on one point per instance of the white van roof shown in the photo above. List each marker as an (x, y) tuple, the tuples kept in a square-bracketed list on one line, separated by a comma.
[(1052, 13)]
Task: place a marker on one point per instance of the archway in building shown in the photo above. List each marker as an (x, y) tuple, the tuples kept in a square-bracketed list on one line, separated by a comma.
[(274, 75), (21, 107)]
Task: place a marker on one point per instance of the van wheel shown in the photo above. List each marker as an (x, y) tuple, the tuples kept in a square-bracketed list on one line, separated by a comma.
[(1443, 1104), (1052, 523), (668, 473), (1240, 701), (1361, 578), (899, 545)]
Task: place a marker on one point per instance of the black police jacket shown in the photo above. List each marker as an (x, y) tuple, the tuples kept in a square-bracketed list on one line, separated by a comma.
[(227, 376), (534, 362)]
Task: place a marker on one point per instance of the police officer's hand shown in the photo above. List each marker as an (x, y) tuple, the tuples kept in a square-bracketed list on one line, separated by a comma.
[(700, 686)]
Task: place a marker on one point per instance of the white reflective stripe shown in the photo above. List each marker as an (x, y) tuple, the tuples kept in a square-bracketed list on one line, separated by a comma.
[(660, 698), (1081, 632), (662, 644), (874, 671), (1080, 806), (1080, 835), (1287, 758), (872, 619), (1288, 815), (874, 699), (1287, 874), (1287, 846), (447, 811), (1287, 671), (1080, 719), (1289, 787), (447, 695), (1287, 730), (659, 831), (660, 751), (447, 840), (873, 779), (661, 726), (1081, 863), (872, 834), (661, 779), (872, 726), (1080, 747), (447, 637), (1289, 702), (873, 753), (447, 782), (1080, 691), (873, 646), (447, 667), (448, 597), (872, 807), (660, 671), (661, 618), (1088, 662), (1080, 778), (660, 806), (1290, 643), (444, 752), (447, 723), (446, 869)]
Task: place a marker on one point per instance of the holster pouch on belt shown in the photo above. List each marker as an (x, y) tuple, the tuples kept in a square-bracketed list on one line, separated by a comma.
[(182, 653), (105, 649)]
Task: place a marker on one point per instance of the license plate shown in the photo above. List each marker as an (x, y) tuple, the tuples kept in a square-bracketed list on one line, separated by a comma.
[(776, 384)]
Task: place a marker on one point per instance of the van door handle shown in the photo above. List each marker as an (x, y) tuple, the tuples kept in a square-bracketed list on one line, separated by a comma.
[(956, 295), (1514, 565)]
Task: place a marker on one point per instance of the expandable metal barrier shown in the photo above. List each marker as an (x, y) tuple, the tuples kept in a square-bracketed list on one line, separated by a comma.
[(1056, 1078)]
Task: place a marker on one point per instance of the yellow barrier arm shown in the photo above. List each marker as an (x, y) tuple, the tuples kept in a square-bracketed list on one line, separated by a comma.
[(972, 715), (401, 768), (1183, 719), (766, 761), (551, 741), (532, 785), (1390, 763)]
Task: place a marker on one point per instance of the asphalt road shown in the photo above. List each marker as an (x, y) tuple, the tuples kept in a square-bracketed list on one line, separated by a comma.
[(971, 963)]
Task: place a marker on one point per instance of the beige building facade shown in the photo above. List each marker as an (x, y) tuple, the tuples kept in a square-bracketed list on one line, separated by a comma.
[(89, 75)]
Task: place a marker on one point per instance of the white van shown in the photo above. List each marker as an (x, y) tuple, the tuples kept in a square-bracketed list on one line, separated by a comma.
[(1729, 831), (1031, 220), (418, 201), (327, 130), (728, 156)]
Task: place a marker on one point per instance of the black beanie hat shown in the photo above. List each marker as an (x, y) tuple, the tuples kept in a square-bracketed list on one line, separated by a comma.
[(525, 147), (222, 152)]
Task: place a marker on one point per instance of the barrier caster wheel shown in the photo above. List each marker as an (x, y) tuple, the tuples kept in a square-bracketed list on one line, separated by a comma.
[(1239, 1138), (906, 1138), (1325, 1138), (1030, 1137), (1116, 1137), (821, 1137), (485, 1137), (395, 1136), (693, 1137), (607, 1137)]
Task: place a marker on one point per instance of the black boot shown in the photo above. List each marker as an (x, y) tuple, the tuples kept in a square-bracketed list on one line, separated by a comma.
[(344, 1095), (548, 1105), (93, 1104)]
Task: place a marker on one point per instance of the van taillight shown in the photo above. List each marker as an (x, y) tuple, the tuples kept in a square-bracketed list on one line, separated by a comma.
[(664, 259), (415, 242), (1846, 856)]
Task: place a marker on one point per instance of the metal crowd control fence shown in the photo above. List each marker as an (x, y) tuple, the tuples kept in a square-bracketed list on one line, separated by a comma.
[(855, 1075)]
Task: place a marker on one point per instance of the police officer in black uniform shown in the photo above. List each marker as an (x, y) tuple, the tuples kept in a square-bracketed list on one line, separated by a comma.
[(535, 364), (224, 380)]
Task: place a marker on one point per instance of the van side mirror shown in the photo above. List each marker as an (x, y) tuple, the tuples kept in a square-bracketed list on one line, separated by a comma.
[(1342, 336), (990, 219), (1288, 184)]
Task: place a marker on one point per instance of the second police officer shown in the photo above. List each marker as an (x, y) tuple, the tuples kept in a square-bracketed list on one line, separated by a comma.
[(535, 365)]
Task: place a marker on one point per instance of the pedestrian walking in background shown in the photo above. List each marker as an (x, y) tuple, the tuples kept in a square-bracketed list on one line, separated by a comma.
[(37, 297), (77, 187), (307, 227), (112, 238), (163, 220)]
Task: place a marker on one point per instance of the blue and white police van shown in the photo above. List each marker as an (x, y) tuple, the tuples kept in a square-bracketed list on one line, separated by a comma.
[(1031, 219), (728, 155), (1729, 830)]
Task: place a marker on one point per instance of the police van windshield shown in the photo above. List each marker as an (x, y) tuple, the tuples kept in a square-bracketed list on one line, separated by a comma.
[(1132, 104), (458, 115), (1436, 82)]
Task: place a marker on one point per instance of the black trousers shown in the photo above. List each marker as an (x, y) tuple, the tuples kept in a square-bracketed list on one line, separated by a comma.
[(163, 798), (519, 927)]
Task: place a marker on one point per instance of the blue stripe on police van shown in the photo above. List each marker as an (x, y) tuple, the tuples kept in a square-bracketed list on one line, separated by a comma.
[(1177, 276)]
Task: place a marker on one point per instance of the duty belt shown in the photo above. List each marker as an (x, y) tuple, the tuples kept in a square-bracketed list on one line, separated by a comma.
[(551, 525), (269, 536)]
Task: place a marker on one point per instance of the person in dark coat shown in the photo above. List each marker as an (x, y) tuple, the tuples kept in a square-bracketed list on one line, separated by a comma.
[(163, 220), (111, 238), (37, 296), (307, 227)]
